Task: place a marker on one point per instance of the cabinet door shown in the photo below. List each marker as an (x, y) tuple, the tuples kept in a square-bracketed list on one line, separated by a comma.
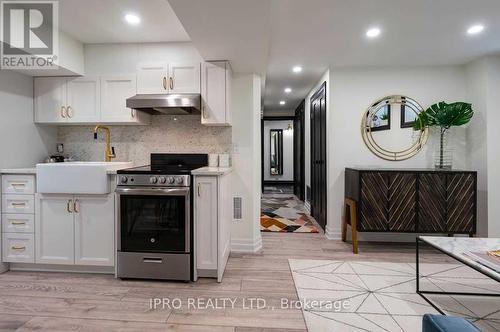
[(152, 78), (54, 229), (461, 209), (83, 99), (206, 222), (184, 77), (214, 93), (114, 92), (432, 203), (50, 99), (94, 230), (402, 202), (374, 203)]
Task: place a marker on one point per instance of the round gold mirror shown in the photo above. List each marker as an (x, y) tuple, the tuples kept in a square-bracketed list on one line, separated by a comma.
[(389, 131)]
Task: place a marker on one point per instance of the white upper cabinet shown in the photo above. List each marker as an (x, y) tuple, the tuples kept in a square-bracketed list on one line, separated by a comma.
[(50, 99), (114, 92), (216, 93), (161, 77), (184, 78), (83, 99), (152, 78), (86, 100), (94, 230)]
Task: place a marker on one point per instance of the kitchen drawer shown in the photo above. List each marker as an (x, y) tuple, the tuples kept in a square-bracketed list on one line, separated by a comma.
[(18, 184), (15, 204), (18, 223), (18, 248)]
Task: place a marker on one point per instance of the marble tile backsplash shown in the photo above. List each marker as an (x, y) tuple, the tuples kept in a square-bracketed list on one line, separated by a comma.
[(135, 143)]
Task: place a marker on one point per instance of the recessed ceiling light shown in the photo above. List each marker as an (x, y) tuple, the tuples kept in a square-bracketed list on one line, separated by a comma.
[(132, 19), (288, 90), (282, 102), (373, 32), (475, 29), (297, 69)]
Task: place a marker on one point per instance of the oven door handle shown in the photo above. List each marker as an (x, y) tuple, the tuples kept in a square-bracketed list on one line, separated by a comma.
[(153, 191)]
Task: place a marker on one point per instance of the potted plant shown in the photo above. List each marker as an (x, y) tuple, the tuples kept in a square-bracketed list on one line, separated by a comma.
[(444, 116)]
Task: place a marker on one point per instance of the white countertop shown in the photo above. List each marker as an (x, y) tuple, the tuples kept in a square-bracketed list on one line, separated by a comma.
[(33, 171), (18, 171), (217, 171)]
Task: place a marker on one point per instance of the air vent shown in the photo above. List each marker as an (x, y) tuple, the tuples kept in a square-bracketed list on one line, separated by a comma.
[(237, 201)]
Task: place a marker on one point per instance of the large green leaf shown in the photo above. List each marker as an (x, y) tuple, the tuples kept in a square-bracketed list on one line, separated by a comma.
[(447, 115)]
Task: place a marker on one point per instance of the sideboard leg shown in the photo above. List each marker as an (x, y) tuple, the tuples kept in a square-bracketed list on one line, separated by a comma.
[(353, 213), (344, 221)]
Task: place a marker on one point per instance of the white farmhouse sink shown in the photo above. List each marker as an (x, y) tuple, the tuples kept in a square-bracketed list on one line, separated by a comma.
[(76, 177)]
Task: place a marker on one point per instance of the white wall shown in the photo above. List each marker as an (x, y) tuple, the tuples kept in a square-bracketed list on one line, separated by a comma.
[(246, 106), (349, 92), (477, 94), (287, 150), (22, 143)]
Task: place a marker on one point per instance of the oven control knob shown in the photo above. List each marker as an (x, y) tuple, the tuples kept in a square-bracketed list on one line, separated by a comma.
[(153, 179), (179, 180), (123, 179), (170, 180), (162, 179)]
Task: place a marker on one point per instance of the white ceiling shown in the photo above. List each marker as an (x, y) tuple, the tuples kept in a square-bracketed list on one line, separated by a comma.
[(269, 37), (319, 34), (101, 21)]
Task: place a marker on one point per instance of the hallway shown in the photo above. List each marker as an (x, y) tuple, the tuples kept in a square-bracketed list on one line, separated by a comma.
[(283, 212)]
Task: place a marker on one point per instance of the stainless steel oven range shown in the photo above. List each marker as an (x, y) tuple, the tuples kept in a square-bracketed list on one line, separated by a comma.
[(154, 218)]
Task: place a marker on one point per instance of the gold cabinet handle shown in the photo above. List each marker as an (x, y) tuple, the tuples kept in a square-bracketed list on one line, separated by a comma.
[(18, 222), (15, 184), (164, 83), (18, 204), (132, 113), (69, 111), (171, 83), (18, 248), (75, 206), (63, 111), (68, 206), (199, 194)]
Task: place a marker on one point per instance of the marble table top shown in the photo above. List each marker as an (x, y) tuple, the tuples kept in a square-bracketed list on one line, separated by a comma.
[(457, 246)]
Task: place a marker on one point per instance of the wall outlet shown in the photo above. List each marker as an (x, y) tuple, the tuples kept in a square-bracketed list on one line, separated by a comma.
[(237, 208)]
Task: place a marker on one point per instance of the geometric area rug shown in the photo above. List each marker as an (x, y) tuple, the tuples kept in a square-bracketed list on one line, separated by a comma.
[(285, 213), (380, 296)]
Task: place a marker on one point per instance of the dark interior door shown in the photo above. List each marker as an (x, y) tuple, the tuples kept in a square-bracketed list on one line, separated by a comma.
[(298, 152), (318, 155)]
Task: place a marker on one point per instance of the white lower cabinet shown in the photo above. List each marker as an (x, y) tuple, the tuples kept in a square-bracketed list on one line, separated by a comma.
[(72, 229), (94, 230), (54, 229), (18, 248), (212, 206)]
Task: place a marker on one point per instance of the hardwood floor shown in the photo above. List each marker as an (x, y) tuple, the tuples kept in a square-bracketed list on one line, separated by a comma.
[(90, 302)]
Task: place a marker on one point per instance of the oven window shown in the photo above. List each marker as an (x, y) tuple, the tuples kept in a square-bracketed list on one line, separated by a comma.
[(153, 223)]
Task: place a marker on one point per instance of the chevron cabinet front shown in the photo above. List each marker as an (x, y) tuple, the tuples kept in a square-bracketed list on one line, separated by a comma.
[(413, 201)]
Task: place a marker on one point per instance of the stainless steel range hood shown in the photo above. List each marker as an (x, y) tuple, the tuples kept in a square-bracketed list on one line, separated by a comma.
[(172, 104)]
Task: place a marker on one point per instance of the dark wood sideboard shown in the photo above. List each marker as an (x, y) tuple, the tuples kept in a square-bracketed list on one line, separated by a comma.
[(413, 200)]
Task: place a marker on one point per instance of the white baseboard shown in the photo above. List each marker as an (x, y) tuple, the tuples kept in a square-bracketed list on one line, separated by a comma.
[(332, 233), (251, 245), (61, 268)]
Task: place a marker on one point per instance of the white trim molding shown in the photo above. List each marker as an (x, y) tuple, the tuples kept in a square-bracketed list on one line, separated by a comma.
[(332, 233), (252, 245)]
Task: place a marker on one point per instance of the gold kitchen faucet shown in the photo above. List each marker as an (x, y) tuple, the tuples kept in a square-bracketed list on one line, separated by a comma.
[(110, 151)]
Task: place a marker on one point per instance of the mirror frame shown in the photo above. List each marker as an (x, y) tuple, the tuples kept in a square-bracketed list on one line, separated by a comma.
[(366, 130), (278, 146)]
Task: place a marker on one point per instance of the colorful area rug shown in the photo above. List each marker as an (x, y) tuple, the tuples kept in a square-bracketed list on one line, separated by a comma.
[(285, 213), (381, 296)]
